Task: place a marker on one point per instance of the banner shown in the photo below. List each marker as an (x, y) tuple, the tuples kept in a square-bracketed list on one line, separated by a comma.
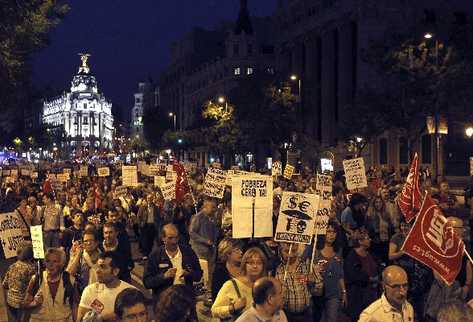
[(25, 172), (296, 217), (62, 177), (14, 173), (130, 175), (410, 198), (182, 186), (276, 169), (355, 173), (141, 165), (288, 171), (37, 240), (103, 172), (324, 186), (214, 184), (433, 242), (159, 181), (120, 191), (153, 170), (11, 233), (323, 216), (252, 193), (169, 190), (171, 176), (84, 171), (67, 170)]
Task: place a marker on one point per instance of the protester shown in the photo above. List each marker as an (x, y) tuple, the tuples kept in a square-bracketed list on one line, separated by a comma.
[(455, 311), (130, 305), (53, 221), (440, 293), (121, 247), (175, 304)]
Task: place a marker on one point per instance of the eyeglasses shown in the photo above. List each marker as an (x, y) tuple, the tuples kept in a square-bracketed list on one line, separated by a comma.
[(398, 286), (136, 317)]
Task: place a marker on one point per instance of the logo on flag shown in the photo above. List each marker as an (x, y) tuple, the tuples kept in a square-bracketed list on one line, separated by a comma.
[(433, 242), (182, 186), (410, 199)]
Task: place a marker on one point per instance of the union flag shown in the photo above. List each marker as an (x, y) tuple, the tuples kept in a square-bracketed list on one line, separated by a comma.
[(410, 198), (432, 241), (182, 186)]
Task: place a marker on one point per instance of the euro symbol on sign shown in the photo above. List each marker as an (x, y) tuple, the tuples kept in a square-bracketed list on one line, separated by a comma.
[(303, 206)]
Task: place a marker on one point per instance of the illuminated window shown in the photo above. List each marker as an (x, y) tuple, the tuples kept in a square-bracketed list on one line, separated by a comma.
[(237, 71), (249, 71)]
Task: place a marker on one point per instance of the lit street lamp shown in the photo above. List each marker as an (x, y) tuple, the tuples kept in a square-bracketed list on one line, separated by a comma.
[(295, 78), (221, 100), (173, 115), (469, 131)]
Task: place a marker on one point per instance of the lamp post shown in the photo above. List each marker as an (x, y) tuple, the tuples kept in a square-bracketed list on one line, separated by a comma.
[(295, 78), (469, 131), (221, 100), (173, 115)]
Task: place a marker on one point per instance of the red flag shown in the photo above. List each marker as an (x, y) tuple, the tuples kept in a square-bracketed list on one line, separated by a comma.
[(433, 242), (182, 187), (410, 198)]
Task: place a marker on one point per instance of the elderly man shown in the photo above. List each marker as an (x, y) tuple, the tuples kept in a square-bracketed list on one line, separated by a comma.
[(393, 305)]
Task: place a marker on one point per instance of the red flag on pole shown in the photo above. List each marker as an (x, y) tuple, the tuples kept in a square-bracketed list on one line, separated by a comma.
[(182, 187), (433, 242), (410, 198)]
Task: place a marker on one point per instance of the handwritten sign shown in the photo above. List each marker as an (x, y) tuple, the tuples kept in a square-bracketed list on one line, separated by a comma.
[(324, 186), (83, 171), (288, 171), (214, 184), (169, 190), (153, 170), (120, 191), (323, 216), (103, 171), (130, 175), (171, 176), (159, 181), (11, 233), (252, 193), (63, 177), (355, 173), (276, 169), (37, 240)]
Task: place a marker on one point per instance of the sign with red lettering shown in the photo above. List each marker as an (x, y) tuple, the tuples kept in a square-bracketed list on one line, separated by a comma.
[(433, 242)]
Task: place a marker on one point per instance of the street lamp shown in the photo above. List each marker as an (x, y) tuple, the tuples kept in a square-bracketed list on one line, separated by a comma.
[(221, 100), (469, 131), (295, 78), (173, 115)]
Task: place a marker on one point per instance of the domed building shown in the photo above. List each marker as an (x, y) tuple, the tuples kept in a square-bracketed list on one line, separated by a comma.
[(84, 113)]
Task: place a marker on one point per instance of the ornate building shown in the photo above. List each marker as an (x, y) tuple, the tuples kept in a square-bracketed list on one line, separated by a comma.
[(84, 113)]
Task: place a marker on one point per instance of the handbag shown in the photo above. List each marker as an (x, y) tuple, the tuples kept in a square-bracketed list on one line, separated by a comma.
[(235, 315)]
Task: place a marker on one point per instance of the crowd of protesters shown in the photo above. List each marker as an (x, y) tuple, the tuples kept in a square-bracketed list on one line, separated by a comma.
[(358, 273)]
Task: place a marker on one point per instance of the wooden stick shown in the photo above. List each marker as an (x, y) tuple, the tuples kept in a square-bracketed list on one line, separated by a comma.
[(314, 248), (287, 263), (468, 255)]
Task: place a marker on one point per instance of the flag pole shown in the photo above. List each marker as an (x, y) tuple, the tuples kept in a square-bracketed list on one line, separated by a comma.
[(468, 255), (288, 260)]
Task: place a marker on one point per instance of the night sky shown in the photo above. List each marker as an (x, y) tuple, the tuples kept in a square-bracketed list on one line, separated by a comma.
[(129, 40)]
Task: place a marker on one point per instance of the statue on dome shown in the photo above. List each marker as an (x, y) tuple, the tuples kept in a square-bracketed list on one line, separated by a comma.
[(84, 68)]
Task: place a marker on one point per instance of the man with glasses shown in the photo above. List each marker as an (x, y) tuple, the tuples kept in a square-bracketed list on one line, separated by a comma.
[(393, 305)]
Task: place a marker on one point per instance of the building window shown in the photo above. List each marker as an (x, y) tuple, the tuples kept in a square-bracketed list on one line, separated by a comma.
[(236, 71), (249, 71), (138, 100), (426, 148), (403, 151), (85, 105), (383, 151), (270, 70), (86, 120)]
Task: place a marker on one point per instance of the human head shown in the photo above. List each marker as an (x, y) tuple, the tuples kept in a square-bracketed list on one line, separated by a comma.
[(48, 198), (175, 304), (130, 305), (25, 253), (110, 233), (113, 216), (55, 260), (267, 292), (404, 227), (444, 187), (90, 240), (332, 235), (77, 218), (230, 249), (254, 263), (107, 267), (457, 225), (362, 238), (455, 311), (209, 206), (170, 237), (32, 201), (358, 202), (395, 284), (378, 203), (284, 250)]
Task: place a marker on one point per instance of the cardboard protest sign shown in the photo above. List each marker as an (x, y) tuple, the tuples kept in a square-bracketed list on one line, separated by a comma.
[(228, 180), (355, 173), (252, 206), (296, 217), (120, 191), (63, 177), (83, 171), (288, 171), (276, 169), (214, 184), (129, 175), (169, 168), (11, 233), (37, 240), (324, 186), (159, 181), (103, 171), (169, 190), (323, 216), (153, 170)]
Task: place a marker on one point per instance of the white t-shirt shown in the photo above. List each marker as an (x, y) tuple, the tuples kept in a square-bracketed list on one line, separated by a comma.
[(176, 262), (100, 298)]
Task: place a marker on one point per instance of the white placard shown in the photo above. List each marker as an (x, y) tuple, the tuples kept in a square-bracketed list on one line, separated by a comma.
[(324, 186), (171, 176), (248, 192), (296, 217), (84, 171), (11, 233), (103, 171), (120, 191), (288, 171), (214, 184), (37, 240), (355, 173), (130, 175), (471, 166), (276, 169), (159, 181), (141, 165), (323, 216), (169, 190), (63, 177), (14, 173), (25, 172), (67, 170), (153, 170)]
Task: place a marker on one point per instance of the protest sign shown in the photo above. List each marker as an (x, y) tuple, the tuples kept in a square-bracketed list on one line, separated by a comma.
[(11, 233), (296, 217), (288, 171), (141, 165), (67, 170), (355, 173), (190, 166), (37, 240), (25, 172), (235, 167), (324, 186), (5, 173), (252, 206), (159, 181), (471, 166), (169, 168), (63, 177), (214, 184), (153, 170), (171, 176), (276, 169), (83, 171), (14, 173), (433, 242), (323, 216), (103, 171), (169, 190), (130, 176), (120, 191)]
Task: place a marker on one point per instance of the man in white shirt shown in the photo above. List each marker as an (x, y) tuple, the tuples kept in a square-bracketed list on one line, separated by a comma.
[(393, 305), (100, 297)]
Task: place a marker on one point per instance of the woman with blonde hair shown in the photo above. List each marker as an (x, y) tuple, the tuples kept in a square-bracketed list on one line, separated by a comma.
[(235, 296)]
